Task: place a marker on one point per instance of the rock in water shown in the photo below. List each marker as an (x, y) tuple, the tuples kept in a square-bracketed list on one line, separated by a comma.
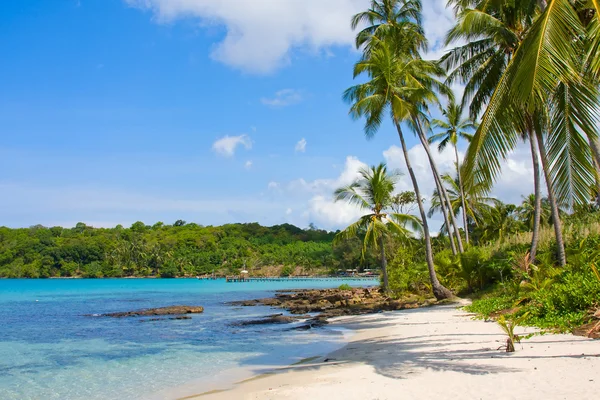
[(171, 310)]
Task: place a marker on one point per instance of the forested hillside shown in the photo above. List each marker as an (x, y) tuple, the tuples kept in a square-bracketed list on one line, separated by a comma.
[(170, 250)]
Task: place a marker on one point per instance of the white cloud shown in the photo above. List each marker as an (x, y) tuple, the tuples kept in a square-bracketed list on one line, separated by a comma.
[(301, 146), (273, 185), (261, 34), (283, 98), (248, 164), (226, 146), (288, 211)]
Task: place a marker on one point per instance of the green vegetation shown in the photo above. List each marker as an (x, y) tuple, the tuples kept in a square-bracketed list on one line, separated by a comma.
[(173, 250), (345, 286)]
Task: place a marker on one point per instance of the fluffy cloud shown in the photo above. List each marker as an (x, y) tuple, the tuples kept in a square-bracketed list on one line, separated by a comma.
[(226, 146), (301, 146), (248, 164), (283, 98), (260, 35)]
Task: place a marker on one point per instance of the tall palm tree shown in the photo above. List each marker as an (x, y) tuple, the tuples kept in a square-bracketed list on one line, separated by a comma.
[(398, 23), (493, 31), (397, 85), (475, 204), (454, 128), (373, 192)]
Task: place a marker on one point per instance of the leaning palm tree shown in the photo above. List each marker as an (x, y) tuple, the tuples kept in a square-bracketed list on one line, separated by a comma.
[(454, 128), (398, 23), (492, 32), (397, 85), (372, 192)]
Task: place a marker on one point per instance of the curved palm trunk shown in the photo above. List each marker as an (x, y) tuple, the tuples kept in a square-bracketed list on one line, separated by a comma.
[(441, 187), (386, 283), (439, 291), (535, 236), (560, 244), (462, 196)]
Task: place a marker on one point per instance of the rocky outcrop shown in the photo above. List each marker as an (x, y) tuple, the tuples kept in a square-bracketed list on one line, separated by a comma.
[(331, 303), (272, 319), (150, 312)]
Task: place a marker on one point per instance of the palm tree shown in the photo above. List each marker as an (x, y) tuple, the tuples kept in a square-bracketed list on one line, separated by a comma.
[(527, 211), (397, 84), (372, 192), (475, 204), (493, 31), (500, 222), (398, 23), (454, 127)]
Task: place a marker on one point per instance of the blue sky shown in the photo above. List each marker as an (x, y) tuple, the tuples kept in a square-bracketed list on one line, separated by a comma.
[(114, 111)]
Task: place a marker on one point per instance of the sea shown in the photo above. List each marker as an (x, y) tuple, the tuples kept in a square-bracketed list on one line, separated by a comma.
[(51, 348)]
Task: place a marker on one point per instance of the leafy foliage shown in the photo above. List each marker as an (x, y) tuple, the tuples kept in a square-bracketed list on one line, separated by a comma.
[(168, 251)]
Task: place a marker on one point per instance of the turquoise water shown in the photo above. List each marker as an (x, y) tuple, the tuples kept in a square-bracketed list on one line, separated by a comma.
[(50, 349)]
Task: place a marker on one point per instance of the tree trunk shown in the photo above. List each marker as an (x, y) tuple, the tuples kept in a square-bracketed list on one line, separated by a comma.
[(439, 291), (386, 283), (443, 207), (443, 192), (595, 146), (462, 196), (560, 244), (535, 237)]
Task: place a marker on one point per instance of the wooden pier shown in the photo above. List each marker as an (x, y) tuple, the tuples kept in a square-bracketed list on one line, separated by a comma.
[(240, 279)]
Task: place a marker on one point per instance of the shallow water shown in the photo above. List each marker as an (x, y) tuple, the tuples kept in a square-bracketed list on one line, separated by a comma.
[(49, 349)]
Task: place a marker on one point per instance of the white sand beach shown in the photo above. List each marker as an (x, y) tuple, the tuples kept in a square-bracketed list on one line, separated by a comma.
[(433, 353)]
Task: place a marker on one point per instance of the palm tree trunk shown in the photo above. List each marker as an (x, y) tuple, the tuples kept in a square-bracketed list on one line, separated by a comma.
[(439, 291), (462, 196), (386, 284), (443, 191), (443, 207), (537, 213), (560, 244)]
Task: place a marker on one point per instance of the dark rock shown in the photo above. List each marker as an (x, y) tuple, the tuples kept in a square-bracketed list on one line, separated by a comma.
[(171, 310), (269, 319)]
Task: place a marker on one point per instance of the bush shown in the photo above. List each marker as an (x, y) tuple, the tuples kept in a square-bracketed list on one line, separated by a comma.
[(345, 286), (405, 275), (286, 271)]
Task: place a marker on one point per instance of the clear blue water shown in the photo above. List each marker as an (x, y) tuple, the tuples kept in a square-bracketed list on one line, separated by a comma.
[(49, 349)]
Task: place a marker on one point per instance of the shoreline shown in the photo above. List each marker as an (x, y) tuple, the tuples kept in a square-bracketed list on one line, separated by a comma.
[(229, 379), (406, 351)]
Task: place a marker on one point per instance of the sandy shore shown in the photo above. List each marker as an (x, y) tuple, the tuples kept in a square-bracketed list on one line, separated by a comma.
[(433, 353)]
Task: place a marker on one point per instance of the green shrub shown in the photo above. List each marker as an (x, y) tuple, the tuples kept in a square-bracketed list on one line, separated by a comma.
[(286, 271), (345, 286)]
